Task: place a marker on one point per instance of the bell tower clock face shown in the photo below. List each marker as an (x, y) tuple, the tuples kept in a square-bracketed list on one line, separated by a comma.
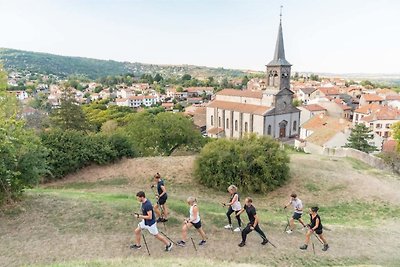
[(282, 105)]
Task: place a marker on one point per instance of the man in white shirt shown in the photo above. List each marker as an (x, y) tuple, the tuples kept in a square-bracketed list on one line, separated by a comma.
[(298, 211)]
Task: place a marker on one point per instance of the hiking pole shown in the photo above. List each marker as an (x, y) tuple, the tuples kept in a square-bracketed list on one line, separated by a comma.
[(265, 239), (187, 229), (145, 243), (168, 238), (287, 224), (318, 238), (313, 247)]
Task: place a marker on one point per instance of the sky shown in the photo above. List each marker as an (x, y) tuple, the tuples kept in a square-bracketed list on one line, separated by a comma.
[(330, 36)]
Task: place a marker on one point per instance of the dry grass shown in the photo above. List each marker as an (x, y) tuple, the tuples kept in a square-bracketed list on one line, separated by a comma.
[(85, 219)]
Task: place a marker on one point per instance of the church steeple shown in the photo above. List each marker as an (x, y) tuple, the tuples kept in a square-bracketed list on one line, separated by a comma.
[(278, 70), (279, 56)]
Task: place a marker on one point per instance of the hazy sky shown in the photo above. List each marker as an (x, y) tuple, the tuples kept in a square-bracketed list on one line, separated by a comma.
[(322, 36)]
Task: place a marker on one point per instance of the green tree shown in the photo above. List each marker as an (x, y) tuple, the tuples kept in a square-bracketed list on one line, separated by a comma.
[(22, 160), (255, 164), (70, 115), (158, 78), (396, 134), (359, 137), (245, 80), (161, 134), (186, 77)]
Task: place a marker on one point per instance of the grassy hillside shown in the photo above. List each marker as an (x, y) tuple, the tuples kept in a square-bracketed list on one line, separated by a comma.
[(64, 66), (85, 220)]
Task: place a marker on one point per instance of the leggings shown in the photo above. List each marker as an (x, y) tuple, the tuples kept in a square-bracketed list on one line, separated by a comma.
[(228, 214), (247, 230)]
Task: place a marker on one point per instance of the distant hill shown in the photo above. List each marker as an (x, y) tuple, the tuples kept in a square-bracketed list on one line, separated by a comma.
[(65, 66)]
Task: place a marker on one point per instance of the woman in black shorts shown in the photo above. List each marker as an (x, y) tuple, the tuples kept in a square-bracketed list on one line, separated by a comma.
[(315, 226), (161, 199)]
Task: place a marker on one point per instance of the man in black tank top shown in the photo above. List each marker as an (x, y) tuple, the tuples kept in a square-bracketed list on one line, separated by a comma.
[(315, 226)]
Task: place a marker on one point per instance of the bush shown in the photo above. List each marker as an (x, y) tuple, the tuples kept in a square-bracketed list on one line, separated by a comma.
[(71, 150), (255, 164)]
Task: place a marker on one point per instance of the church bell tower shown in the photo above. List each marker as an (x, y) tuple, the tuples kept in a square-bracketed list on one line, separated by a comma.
[(278, 70)]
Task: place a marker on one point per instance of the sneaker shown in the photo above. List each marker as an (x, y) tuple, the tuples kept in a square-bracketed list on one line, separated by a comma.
[(181, 243), (134, 246), (265, 241), (164, 220), (289, 231), (159, 220), (304, 247), (169, 247), (237, 229), (325, 248), (202, 242), (242, 244), (228, 226)]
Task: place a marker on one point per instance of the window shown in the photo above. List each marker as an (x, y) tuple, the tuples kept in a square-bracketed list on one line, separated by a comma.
[(236, 125), (219, 121), (246, 127), (295, 126), (356, 117), (212, 120), (269, 130), (388, 126), (227, 123), (378, 125)]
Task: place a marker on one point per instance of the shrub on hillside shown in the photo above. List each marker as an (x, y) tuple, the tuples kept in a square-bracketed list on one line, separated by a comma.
[(71, 150), (255, 164)]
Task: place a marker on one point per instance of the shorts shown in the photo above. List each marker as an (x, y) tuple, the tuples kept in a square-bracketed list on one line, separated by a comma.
[(296, 215), (151, 228), (162, 200), (197, 225), (318, 232)]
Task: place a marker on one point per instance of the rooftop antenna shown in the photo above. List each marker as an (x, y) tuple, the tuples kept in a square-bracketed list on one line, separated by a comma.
[(280, 15)]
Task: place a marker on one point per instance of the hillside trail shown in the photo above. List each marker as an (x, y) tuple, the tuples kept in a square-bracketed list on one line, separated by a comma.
[(325, 172), (30, 238)]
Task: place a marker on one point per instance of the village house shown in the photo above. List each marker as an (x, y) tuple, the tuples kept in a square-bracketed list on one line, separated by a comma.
[(172, 93), (306, 94), (21, 95), (234, 113), (337, 108), (366, 99), (322, 132), (379, 119), (393, 101), (310, 111), (257, 84)]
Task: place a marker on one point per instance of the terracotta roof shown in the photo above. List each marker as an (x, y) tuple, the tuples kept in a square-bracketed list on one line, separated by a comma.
[(389, 145), (393, 97), (341, 104), (372, 97), (366, 109), (383, 113), (324, 128), (121, 100), (215, 130), (314, 107), (329, 90), (240, 107), (385, 91), (141, 97), (241, 93)]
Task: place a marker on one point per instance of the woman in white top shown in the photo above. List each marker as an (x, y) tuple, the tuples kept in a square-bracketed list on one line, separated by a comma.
[(234, 206), (193, 220)]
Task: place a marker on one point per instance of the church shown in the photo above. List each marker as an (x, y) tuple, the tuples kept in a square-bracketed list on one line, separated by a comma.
[(270, 111)]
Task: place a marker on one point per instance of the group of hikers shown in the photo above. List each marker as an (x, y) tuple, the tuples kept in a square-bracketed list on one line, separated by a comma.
[(149, 222)]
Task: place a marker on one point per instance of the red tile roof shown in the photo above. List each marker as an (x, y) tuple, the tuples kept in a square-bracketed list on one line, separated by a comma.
[(393, 97), (372, 97), (367, 108), (314, 107), (382, 113), (329, 90), (241, 93), (240, 107)]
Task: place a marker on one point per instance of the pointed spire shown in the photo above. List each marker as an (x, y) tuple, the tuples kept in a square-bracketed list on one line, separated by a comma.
[(279, 56)]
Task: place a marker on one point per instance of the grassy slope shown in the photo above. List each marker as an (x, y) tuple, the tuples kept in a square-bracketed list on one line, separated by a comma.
[(86, 222)]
